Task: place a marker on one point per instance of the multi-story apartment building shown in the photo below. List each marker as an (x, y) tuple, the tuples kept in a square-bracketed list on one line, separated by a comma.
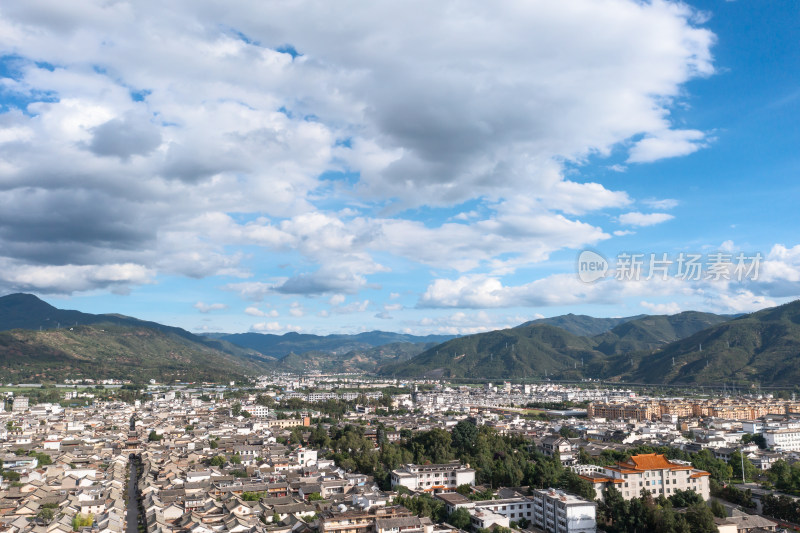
[(553, 445), (20, 404), (433, 478), (651, 473), (783, 439), (729, 408), (514, 509), (559, 512), (291, 422)]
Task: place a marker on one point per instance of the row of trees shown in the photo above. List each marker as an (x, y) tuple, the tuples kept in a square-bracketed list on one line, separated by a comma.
[(781, 507)]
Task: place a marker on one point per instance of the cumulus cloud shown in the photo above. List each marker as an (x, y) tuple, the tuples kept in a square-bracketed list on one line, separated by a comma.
[(125, 136), (273, 327), (207, 308), (668, 143), (480, 291), (635, 218), (255, 311), (461, 323), (670, 308), (174, 157)]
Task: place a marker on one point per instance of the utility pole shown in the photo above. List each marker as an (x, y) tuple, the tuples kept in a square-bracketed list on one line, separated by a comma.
[(741, 456)]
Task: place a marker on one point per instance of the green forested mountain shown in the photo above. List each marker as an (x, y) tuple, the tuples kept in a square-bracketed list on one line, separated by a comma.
[(583, 325), (279, 346), (763, 347), (26, 311), (358, 360), (653, 332), (105, 351), (41, 342), (524, 351)]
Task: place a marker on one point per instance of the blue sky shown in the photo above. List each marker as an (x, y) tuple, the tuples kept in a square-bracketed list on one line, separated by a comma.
[(421, 168)]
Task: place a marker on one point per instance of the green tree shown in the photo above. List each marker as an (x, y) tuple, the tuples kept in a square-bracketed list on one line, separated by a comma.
[(701, 519), (459, 518), (236, 410), (750, 471), (465, 434), (81, 520), (717, 509), (154, 437), (46, 514)]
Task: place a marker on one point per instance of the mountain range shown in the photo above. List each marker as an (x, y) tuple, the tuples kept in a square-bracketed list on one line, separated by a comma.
[(537, 349), (39, 342)]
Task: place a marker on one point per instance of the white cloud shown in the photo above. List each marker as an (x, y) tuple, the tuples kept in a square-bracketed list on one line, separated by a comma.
[(668, 143), (665, 203), (670, 308), (145, 146), (480, 291), (461, 323), (644, 219), (273, 327), (255, 311), (207, 308), (742, 301), (352, 307), (65, 279)]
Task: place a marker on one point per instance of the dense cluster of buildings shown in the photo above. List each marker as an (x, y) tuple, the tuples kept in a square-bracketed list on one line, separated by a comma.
[(737, 408), (207, 463)]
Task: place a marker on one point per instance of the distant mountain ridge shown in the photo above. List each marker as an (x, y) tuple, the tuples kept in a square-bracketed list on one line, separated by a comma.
[(41, 342), (538, 349), (582, 325), (759, 348), (26, 311), (297, 343)]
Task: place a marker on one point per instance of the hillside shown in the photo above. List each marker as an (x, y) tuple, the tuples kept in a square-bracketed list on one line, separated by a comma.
[(652, 332), (763, 347), (525, 351), (279, 346), (583, 325), (359, 360), (112, 351), (39, 341), (26, 311), (537, 350)]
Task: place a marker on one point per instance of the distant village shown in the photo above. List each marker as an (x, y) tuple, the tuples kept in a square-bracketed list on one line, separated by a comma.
[(203, 459)]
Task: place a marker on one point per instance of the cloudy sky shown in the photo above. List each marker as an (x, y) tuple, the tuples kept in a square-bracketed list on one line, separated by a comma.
[(430, 167)]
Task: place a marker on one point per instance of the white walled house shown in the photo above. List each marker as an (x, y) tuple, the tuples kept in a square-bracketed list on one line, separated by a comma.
[(433, 478)]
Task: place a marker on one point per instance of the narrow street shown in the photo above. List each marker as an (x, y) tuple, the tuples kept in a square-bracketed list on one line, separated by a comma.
[(132, 519)]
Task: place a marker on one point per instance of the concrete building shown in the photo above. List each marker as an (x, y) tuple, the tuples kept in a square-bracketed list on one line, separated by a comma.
[(650, 472), (558, 512), (778, 439), (20, 404), (433, 478), (556, 444)]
